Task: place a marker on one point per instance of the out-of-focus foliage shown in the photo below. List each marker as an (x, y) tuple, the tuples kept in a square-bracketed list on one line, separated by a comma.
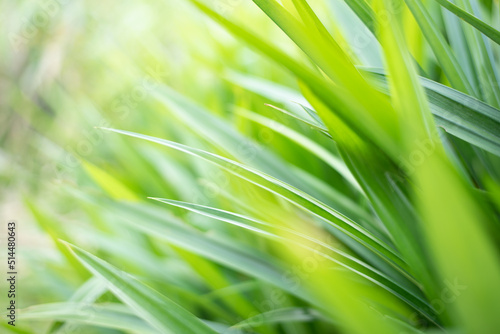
[(242, 166)]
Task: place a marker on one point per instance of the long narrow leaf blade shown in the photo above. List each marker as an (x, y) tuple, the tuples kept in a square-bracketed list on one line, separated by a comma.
[(162, 313)]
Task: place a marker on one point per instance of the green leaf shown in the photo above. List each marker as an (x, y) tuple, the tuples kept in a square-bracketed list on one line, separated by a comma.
[(483, 58), (480, 25), (289, 193), (367, 114), (440, 47), (116, 316), (105, 315), (333, 161), (225, 252), (153, 307), (459, 114), (223, 135), (452, 215), (314, 123), (92, 289), (357, 97), (400, 288)]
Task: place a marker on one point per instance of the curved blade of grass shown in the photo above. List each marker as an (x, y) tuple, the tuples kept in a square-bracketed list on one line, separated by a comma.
[(440, 47), (478, 53), (266, 88), (223, 135), (137, 256), (320, 126), (87, 293), (293, 195), (335, 98), (318, 150), (376, 173), (449, 222), (230, 254), (162, 313), (480, 25), (343, 203), (459, 114), (314, 115), (106, 315), (364, 102), (282, 94), (456, 37), (116, 316), (483, 57), (410, 101), (400, 287)]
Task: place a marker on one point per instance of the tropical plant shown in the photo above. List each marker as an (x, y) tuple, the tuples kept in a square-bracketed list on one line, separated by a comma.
[(343, 178)]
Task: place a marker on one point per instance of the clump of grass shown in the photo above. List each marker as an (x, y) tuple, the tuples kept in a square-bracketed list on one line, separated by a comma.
[(332, 185)]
